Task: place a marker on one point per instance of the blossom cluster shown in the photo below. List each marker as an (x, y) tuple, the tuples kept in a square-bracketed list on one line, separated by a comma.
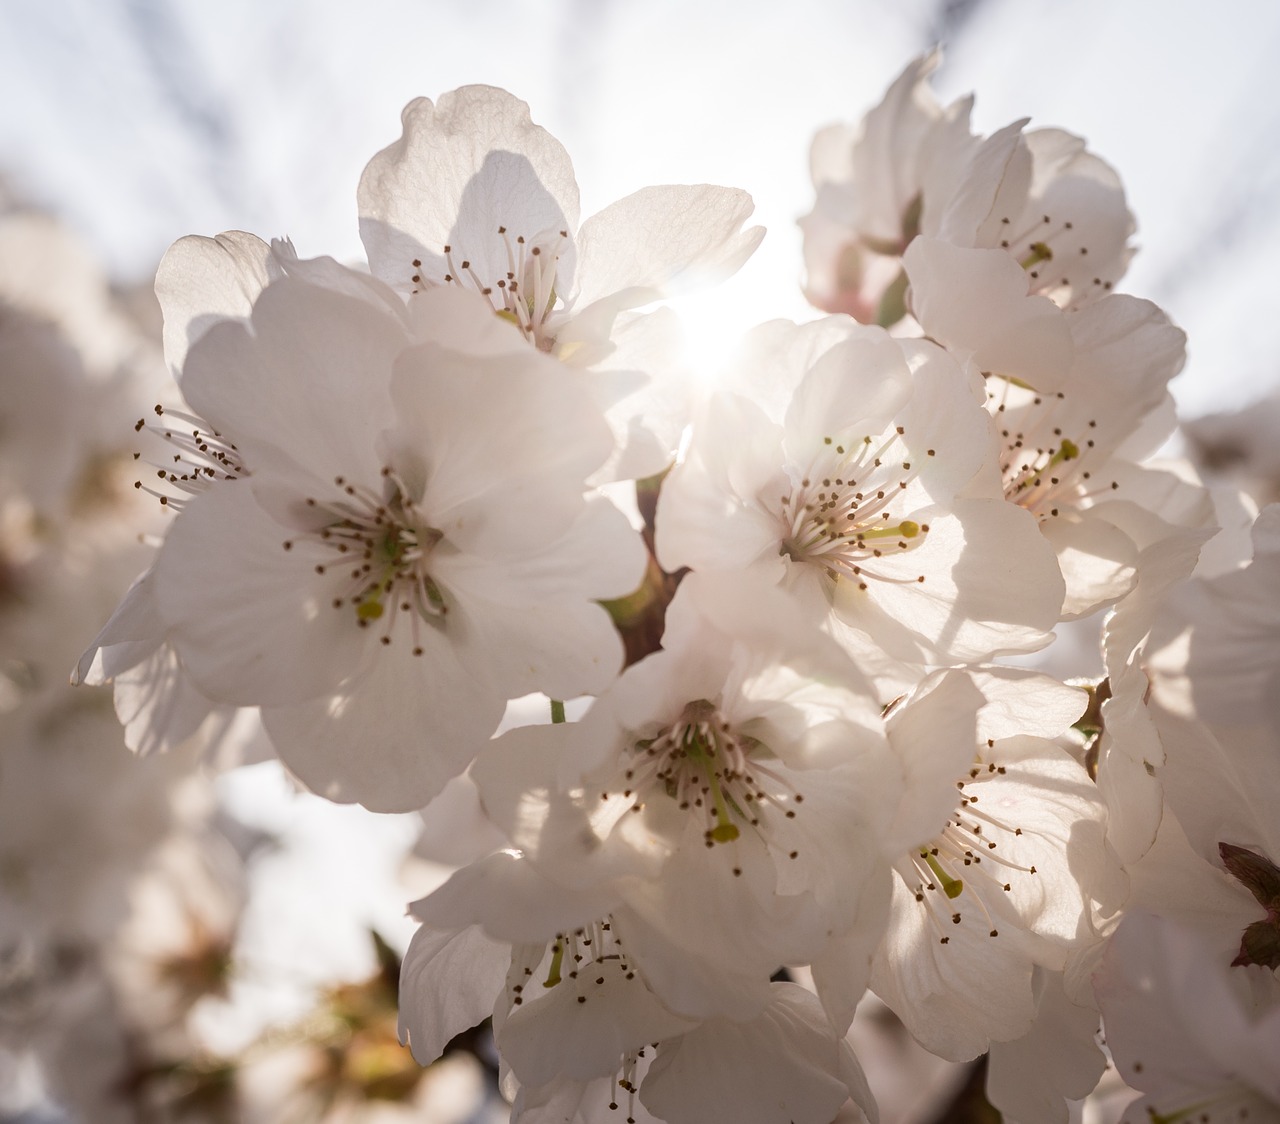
[(753, 681)]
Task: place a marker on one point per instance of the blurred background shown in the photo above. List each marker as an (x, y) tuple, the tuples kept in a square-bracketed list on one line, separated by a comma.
[(236, 977)]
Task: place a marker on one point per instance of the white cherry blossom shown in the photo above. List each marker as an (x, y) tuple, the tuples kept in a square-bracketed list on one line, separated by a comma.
[(379, 557), (1008, 884), (873, 181), (1080, 400), (842, 480), (1051, 205), (784, 1063), (741, 808), (913, 167), (475, 195), (1059, 1060), (708, 792), (580, 1029)]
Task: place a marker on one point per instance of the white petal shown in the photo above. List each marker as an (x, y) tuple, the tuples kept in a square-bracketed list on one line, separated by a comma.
[(999, 171), (449, 981), (663, 240), (131, 635), (953, 998), (504, 444), (251, 622), (934, 738), (158, 705), (511, 901), (1098, 562), (1019, 701), (991, 585), (785, 1064), (307, 378), (201, 281), (698, 982), (462, 168), (708, 512), (859, 384), (1179, 1024), (583, 1028), (392, 736), (975, 303), (1033, 1077), (532, 622), (775, 357)]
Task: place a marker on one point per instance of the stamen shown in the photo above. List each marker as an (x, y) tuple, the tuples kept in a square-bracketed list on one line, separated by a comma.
[(383, 547), (203, 457), (843, 509), (703, 764), (526, 294)]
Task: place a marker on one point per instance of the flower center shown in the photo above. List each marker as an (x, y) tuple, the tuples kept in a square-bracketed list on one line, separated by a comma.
[(703, 764), (381, 548), (964, 863), (847, 511), (525, 293), (1044, 470), (582, 960), (1055, 255)]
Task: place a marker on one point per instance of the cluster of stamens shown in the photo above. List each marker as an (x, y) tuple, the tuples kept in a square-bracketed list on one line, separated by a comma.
[(1043, 469), (526, 292), (703, 764), (381, 546), (965, 859), (841, 515), (202, 456), (1055, 258), (578, 959)]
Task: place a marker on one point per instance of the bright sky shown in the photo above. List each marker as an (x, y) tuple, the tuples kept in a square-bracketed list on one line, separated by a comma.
[(143, 120)]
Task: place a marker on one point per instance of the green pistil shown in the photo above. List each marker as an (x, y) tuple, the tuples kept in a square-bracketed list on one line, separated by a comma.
[(392, 548), (557, 711), (1068, 451), (370, 609), (725, 831), (904, 530), (557, 958), (952, 887), (1039, 252), (1178, 1115)]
